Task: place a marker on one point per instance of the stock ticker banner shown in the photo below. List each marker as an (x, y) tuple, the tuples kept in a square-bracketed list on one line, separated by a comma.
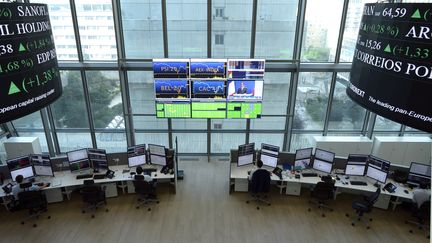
[(29, 74), (391, 72)]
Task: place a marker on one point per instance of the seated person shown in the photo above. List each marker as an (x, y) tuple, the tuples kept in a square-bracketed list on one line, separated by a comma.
[(139, 171), (259, 165), (421, 195), (16, 189)]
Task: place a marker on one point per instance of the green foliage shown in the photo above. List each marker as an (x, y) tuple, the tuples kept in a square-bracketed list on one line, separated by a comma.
[(340, 109), (317, 54), (70, 109)]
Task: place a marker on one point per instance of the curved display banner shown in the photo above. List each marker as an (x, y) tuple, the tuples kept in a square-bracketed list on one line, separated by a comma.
[(391, 73), (29, 74)]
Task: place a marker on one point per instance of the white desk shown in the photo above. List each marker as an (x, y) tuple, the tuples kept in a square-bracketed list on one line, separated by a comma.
[(65, 182), (239, 179)]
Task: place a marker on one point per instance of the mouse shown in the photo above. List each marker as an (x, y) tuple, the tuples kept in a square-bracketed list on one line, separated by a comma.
[(406, 191), (347, 177)]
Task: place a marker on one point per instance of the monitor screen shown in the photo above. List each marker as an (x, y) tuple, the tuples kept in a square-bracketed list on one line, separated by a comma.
[(420, 169), (209, 109), (324, 155), (379, 163), (171, 89), (136, 160), (208, 89), (305, 153), (139, 149), (355, 169), (269, 149), (158, 160), (416, 180), (302, 163), (208, 68), (26, 172), (245, 159), (98, 158), (77, 155), (173, 109), (244, 109), (248, 90), (246, 68), (322, 165), (170, 68), (156, 149), (42, 164), (269, 160), (246, 149), (18, 163), (376, 174), (78, 165)]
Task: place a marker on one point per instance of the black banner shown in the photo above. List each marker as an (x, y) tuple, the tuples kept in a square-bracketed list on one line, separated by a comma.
[(391, 73), (29, 74)]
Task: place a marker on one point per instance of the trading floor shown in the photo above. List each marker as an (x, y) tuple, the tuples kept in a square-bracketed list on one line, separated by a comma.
[(202, 210)]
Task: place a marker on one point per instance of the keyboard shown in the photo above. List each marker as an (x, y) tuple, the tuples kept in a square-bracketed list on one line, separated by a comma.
[(98, 176), (309, 174), (358, 183), (84, 176)]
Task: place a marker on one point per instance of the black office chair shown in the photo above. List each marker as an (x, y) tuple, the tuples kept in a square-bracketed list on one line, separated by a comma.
[(260, 187), (34, 201), (93, 196), (322, 192), (365, 205), (422, 216), (146, 192)]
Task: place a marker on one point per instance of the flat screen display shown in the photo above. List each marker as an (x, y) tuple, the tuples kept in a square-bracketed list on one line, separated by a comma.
[(208, 89), (213, 109), (324, 155), (156, 149), (42, 164), (379, 163), (170, 68), (420, 169), (303, 153), (173, 109), (245, 149), (322, 165), (208, 68), (417, 180), (245, 90), (245, 159), (136, 160), (302, 163), (18, 163), (355, 169), (244, 109), (79, 165), (376, 174), (138, 149), (77, 155), (269, 160), (171, 89), (26, 172), (269, 149), (158, 160), (246, 68)]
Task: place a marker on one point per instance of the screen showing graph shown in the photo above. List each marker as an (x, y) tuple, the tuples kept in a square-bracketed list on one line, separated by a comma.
[(171, 89), (210, 89), (208, 68), (170, 68)]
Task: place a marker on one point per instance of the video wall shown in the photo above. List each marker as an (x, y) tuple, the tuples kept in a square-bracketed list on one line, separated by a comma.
[(208, 88)]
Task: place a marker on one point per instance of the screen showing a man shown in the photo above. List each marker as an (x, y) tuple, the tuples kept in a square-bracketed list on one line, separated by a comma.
[(242, 89)]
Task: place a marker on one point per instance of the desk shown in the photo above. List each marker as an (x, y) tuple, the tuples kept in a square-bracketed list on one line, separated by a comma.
[(239, 179), (65, 182)]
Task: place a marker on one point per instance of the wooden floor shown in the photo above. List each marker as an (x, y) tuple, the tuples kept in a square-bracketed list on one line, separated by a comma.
[(204, 211)]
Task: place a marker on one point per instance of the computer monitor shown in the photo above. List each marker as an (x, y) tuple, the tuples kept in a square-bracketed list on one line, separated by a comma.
[(158, 160), (98, 159), (356, 164), (323, 166), (269, 160), (419, 174), (325, 155), (379, 163), (77, 155), (79, 165), (302, 163), (246, 154), (42, 164), (136, 160), (269, 149), (416, 180), (20, 166), (304, 153), (269, 155), (157, 149), (376, 173)]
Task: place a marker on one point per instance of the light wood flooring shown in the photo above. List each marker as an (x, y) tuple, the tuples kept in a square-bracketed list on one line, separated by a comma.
[(204, 211)]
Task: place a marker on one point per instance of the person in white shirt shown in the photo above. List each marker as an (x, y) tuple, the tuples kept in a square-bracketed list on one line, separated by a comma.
[(139, 171), (16, 189), (421, 195)]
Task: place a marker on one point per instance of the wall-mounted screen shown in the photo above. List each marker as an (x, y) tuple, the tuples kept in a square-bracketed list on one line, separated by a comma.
[(170, 68), (245, 90), (171, 89), (208, 68), (208, 89), (246, 68), (202, 109), (173, 109), (244, 110)]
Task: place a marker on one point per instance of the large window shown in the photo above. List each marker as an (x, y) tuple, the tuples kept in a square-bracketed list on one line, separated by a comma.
[(142, 28), (275, 31), (187, 28)]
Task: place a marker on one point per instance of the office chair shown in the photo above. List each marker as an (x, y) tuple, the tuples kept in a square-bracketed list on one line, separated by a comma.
[(93, 196), (146, 192), (365, 205), (34, 201), (260, 187), (422, 216), (322, 192)]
